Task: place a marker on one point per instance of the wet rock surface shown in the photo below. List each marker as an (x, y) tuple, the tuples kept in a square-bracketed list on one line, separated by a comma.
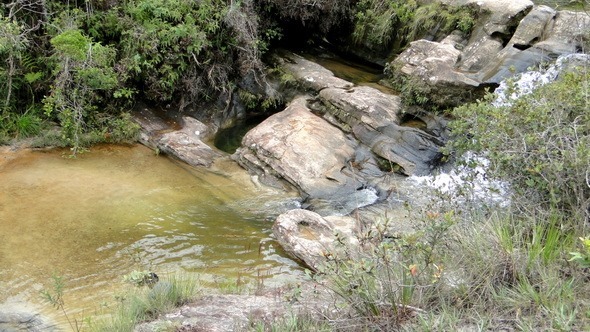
[(186, 144), (20, 321), (182, 138)]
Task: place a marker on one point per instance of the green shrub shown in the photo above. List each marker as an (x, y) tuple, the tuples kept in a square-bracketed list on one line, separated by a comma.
[(385, 283), (382, 23), (540, 144)]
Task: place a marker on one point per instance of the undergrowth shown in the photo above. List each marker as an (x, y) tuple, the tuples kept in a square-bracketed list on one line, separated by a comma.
[(519, 264)]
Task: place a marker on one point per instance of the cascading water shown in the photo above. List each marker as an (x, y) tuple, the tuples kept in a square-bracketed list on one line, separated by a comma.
[(481, 187)]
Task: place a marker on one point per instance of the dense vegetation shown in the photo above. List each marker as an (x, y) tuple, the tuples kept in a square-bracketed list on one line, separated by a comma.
[(81, 65), (524, 265), (73, 70)]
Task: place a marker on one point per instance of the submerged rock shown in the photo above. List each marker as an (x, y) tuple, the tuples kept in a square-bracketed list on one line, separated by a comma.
[(14, 321)]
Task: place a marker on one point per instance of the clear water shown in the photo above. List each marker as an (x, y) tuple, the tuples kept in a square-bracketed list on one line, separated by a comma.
[(115, 209)]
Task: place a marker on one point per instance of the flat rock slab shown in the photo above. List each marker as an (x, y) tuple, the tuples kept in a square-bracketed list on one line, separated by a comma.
[(312, 75), (229, 313), (186, 144), (363, 104), (312, 238)]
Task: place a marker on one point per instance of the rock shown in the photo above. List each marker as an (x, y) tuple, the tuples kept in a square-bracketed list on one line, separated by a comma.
[(416, 151), (361, 104), (12, 320), (479, 54), (502, 13), (565, 33), (374, 117), (311, 75), (301, 148), (311, 238), (219, 313), (512, 37), (532, 27), (433, 69), (186, 144)]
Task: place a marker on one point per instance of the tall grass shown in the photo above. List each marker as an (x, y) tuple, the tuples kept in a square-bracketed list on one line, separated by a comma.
[(144, 303), (477, 266)]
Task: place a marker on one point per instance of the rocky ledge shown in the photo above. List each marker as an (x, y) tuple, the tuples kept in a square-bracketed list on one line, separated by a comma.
[(511, 37)]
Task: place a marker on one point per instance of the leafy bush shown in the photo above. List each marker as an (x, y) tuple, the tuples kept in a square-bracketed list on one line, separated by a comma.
[(385, 283), (540, 144)]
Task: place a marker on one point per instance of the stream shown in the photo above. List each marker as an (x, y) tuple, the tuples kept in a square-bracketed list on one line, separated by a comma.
[(115, 209)]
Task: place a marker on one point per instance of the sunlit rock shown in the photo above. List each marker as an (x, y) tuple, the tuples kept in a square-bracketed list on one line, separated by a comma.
[(312, 238), (186, 143)]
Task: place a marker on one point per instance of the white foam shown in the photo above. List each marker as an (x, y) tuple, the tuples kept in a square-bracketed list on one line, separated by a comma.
[(525, 83)]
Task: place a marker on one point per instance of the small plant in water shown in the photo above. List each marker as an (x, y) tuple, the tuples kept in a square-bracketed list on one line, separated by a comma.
[(55, 298)]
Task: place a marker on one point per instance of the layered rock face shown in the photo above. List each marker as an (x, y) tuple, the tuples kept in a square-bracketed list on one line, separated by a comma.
[(335, 144), (511, 37)]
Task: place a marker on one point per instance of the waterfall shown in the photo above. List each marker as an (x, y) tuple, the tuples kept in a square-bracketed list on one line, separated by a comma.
[(454, 181)]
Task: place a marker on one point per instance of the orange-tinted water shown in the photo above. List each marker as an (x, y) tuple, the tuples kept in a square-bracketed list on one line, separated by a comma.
[(115, 209)]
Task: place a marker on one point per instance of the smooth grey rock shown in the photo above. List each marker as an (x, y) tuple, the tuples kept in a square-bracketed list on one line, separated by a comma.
[(362, 104), (433, 69), (479, 54), (312, 238), (414, 150), (311, 75), (21, 321), (219, 313), (186, 144), (565, 33), (511, 38), (301, 148), (502, 12), (348, 107), (532, 27)]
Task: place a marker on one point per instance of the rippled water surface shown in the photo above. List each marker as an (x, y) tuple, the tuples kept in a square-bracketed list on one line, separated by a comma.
[(118, 208)]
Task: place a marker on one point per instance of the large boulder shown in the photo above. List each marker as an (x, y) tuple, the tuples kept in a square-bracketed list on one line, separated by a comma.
[(565, 33), (373, 117), (432, 68), (312, 238), (502, 14), (301, 148)]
